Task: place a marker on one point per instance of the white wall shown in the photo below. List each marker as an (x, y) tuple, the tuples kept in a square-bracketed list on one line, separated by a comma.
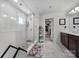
[(11, 31)]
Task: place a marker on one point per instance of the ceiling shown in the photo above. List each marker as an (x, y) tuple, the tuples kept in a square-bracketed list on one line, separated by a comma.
[(51, 6)]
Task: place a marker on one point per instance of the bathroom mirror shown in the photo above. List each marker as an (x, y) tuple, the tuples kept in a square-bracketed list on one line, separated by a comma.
[(76, 21), (62, 21)]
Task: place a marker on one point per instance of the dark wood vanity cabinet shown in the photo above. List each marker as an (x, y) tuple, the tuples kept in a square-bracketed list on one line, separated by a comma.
[(77, 46), (64, 39), (71, 42)]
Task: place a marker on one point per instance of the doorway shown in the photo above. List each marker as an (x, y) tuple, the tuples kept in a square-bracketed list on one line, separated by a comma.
[(49, 29)]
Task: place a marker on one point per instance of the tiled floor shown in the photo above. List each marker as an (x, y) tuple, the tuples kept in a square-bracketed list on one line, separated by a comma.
[(51, 50)]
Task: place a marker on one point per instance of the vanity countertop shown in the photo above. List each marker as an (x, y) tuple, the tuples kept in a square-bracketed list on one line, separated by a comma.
[(76, 34)]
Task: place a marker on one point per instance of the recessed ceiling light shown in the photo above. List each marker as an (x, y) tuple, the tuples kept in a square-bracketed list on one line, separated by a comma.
[(73, 11), (16, 1), (4, 15), (13, 18)]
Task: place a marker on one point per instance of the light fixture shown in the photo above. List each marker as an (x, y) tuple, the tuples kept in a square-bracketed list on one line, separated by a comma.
[(77, 8), (4, 15), (73, 11), (13, 18), (16, 1)]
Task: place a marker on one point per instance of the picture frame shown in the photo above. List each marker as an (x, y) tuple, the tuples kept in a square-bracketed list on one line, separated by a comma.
[(62, 21), (76, 21)]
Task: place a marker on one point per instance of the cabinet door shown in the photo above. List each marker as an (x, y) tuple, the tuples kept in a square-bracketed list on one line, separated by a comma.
[(64, 39), (61, 37), (72, 45), (77, 47)]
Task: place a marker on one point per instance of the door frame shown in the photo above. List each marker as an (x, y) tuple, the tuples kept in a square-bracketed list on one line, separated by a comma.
[(52, 28)]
